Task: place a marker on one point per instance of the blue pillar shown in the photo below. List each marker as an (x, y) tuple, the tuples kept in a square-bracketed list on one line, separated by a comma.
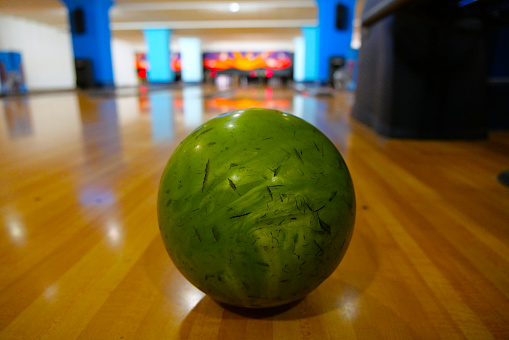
[(311, 53), (91, 37), (158, 55), (192, 60), (333, 41), (13, 80)]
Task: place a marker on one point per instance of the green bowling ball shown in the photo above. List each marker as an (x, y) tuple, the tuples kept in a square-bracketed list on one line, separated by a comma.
[(256, 208)]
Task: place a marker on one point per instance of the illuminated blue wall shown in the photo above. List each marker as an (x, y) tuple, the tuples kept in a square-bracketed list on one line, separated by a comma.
[(94, 42), (10, 62), (311, 50), (333, 42), (158, 55)]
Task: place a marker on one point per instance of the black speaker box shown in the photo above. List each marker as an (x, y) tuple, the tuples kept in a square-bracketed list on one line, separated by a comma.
[(78, 21), (341, 14)]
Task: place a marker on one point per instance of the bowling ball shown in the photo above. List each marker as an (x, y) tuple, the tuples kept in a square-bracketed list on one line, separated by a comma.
[(256, 208)]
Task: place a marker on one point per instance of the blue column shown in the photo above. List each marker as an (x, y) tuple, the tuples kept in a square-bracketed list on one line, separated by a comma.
[(311, 53), (192, 60), (158, 55), (333, 41), (13, 80), (91, 38)]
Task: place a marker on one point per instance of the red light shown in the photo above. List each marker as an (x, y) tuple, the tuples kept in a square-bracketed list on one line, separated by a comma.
[(143, 89), (268, 73), (142, 74), (268, 93), (212, 73), (252, 73)]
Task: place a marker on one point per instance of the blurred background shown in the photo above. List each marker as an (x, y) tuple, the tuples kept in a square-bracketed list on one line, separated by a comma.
[(96, 94), (232, 42), (445, 61)]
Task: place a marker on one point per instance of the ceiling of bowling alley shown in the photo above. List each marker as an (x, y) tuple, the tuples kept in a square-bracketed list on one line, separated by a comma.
[(209, 20)]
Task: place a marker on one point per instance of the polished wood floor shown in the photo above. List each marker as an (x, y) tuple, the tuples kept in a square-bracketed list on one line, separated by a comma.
[(81, 255)]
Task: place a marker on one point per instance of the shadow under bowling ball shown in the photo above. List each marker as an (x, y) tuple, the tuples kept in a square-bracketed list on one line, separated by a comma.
[(503, 178), (212, 320), (259, 313), (339, 292), (343, 292)]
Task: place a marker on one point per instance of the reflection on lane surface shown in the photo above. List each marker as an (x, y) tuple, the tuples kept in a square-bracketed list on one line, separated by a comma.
[(193, 106), (162, 121)]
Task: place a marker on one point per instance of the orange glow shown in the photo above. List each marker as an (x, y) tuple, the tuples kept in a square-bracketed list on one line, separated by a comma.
[(178, 103), (224, 104), (141, 61), (176, 64), (247, 62)]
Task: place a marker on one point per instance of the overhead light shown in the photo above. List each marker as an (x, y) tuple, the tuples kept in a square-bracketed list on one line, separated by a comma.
[(234, 7)]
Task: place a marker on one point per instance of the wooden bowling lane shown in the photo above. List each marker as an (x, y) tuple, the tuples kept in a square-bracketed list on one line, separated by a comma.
[(81, 255)]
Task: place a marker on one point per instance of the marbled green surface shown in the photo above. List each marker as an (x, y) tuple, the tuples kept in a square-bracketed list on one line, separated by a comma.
[(256, 208)]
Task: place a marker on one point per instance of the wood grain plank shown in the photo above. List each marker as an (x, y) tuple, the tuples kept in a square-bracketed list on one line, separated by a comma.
[(81, 255)]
